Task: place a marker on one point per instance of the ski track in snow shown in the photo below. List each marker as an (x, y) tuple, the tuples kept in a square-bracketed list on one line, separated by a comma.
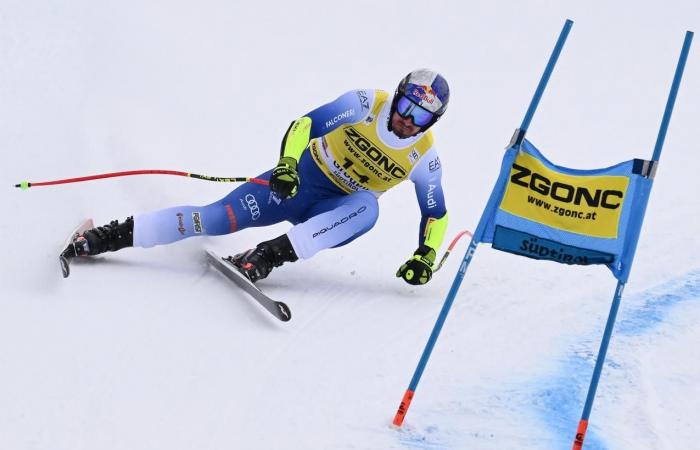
[(556, 402), (560, 400)]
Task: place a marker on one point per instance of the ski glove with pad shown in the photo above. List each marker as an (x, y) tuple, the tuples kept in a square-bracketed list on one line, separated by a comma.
[(284, 180), (418, 269)]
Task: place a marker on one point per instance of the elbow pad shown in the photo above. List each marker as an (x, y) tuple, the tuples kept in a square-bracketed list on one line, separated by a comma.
[(296, 139)]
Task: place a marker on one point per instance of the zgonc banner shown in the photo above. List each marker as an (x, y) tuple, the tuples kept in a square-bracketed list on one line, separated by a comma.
[(570, 216)]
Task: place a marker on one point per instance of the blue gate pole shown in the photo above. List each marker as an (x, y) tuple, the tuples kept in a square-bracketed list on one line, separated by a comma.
[(408, 395), (607, 334), (602, 352), (545, 76), (672, 95)]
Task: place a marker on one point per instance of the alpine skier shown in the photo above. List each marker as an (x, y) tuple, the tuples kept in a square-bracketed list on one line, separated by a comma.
[(334, 163)]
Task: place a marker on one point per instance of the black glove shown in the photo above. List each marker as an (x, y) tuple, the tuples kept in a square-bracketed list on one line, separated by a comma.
[(418, 269), (284, 180)]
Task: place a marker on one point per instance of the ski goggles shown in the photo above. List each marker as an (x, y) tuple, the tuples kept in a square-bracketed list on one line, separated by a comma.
[(406, 108)]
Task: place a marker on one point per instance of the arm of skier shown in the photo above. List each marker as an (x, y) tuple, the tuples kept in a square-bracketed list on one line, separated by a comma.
[(351, 107), (427, 179)]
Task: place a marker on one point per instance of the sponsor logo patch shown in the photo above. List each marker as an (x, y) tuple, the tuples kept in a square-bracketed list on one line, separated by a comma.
[(252, 206), (535, 247), (431, 196), (233, 223), (588, 205), (413, 156), (196, 222), (340, 222), (364, 100), (181, 223), (425, 93), (339, 117), (434, 164), (273, 198)]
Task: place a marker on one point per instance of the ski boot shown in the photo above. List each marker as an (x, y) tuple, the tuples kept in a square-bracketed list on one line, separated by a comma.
[(257, 263), (109, 238)]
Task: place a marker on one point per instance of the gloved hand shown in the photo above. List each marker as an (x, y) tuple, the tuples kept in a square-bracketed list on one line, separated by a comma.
[(284, 180), (418, 269)]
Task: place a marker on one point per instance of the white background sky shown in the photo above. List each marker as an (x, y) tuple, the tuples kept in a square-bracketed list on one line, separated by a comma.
[(147, 349)]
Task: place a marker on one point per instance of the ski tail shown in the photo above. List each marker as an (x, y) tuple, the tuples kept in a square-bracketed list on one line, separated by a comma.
[(65, 260)]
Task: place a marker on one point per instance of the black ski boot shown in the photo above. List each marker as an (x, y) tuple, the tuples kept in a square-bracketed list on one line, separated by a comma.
[(257, 263), (109, 238)]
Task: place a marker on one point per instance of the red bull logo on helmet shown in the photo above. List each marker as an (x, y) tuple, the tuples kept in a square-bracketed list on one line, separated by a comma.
[(427, 89), (424, 93), (425, 96)]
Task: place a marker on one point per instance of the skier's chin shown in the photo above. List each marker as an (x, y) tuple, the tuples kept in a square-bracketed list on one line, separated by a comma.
[(403, 134)]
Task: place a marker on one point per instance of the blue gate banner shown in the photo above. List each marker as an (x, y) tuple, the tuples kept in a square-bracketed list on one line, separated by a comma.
[(544, 211)]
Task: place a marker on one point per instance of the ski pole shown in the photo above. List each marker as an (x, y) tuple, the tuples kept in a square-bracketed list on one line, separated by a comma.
[(26, 184), (449, 249)]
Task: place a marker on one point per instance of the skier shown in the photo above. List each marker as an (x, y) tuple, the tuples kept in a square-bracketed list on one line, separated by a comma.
[(335, 162)]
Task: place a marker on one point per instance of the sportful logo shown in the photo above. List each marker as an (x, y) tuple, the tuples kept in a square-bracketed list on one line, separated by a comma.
[(253, 206), (197, 222)]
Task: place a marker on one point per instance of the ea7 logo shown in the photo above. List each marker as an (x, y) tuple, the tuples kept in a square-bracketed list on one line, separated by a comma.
[(364, 100), (564, 192)]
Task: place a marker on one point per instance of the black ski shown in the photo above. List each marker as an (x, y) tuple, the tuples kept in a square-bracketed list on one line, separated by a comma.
[(65, 261), (226, 267)]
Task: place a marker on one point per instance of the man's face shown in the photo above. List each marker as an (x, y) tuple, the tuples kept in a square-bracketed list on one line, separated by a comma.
[(403, 127)]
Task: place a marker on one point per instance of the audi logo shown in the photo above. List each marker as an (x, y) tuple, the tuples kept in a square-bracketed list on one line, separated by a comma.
[(253, 206)]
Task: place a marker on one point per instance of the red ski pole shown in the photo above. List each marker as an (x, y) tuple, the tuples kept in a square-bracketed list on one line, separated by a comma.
[(26, 184)]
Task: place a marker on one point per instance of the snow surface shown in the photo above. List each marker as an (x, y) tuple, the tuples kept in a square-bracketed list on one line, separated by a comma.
[(150, 349)]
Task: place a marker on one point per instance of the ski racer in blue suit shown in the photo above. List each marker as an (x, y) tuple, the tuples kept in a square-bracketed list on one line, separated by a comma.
[(335, 162)]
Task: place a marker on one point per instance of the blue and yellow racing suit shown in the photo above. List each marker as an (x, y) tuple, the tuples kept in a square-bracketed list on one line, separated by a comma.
[(347, 158)]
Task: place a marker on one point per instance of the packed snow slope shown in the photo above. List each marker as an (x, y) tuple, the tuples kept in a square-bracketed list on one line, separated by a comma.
[(150, 349)]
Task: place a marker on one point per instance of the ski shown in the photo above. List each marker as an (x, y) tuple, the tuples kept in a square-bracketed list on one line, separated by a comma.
[(226, 267), (65, 261)]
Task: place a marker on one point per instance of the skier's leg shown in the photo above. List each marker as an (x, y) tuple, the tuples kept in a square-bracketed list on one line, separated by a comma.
[(317, 195), (246, 206), (249, 205), (334, 222)]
